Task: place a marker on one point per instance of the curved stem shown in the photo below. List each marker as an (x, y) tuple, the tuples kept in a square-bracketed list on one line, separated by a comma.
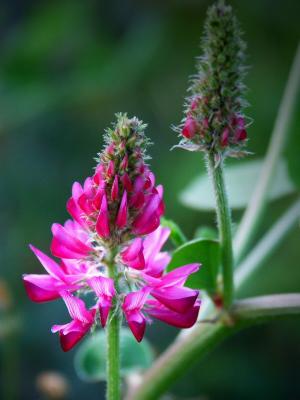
[(181, 354), (224, 225), (258, 201), (113, 346)]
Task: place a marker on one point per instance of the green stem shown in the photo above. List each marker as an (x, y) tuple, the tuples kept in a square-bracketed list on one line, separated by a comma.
[(224, 225), (258, 201), (182, 353), (113, 346)]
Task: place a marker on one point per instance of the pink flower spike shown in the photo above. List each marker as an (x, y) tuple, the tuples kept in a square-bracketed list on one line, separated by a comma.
[(115, 189), (185, 320), (105, 291), (190, 128), (133, 303), (133, 255), (102, 224), (122, 213)]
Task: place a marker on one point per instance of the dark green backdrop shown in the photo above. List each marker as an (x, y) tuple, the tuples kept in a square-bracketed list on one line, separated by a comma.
[(65, 68)]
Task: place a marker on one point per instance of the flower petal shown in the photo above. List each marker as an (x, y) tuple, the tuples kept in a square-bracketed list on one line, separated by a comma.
[(50, 266), (133, 255), (177, 299), (102, 224), (123, 210), (185, 320), (178, 276), (41, 288)]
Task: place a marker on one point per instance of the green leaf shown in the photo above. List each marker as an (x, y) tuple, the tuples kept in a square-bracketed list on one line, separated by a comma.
[(177, 236), (90, 359), (206, 232), (207, 253), (240, 180)]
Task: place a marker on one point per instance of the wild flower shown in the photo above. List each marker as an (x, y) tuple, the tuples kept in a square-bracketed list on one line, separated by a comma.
[(111, 247)]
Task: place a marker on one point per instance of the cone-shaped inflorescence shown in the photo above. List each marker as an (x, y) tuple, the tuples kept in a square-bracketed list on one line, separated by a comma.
[(127, 184), (214, 119), (111, 247)]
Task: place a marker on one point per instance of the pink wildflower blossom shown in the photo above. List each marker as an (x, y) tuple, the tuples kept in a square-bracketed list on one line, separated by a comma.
[(116, 224)]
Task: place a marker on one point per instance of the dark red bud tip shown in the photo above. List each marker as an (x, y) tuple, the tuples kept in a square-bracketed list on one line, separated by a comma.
[(190, 128), (218, 301), (225, 137), (195, 103), (241, 135)]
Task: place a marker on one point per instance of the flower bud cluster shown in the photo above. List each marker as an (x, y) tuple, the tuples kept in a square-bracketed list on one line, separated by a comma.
[(214, 120)]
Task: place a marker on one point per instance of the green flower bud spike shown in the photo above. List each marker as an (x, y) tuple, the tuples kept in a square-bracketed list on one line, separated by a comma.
[(214, 121)]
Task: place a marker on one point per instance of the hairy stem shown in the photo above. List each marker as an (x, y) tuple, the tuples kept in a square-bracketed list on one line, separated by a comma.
[(258, 201), (224, 225), (181, 354), (113, 347)]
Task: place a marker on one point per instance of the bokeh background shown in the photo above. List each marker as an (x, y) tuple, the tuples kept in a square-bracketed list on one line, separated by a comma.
[(65, 68)]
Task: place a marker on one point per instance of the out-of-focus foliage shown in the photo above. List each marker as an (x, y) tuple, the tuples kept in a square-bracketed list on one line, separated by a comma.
[(90, 359), (240, 180), (66, 67), (205, 252)]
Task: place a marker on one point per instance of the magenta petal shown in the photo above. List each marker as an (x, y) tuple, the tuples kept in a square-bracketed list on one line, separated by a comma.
[(137, 200), (59, 250), (75, 212), (156, 267), (50, 266), (68, 240), (122, 214), (142, 227), (104, 312), (148, 220), (102, 224), (115, 189), (178, 276), (155, 241), (127, 182), (77, 309), (133, 254), (137, 324), (136, 300), (40, 288), (177, 299), (102, 286), (185, 320), (70, 334)]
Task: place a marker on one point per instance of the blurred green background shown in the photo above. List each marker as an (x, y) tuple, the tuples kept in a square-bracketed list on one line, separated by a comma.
[(66, 67)]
